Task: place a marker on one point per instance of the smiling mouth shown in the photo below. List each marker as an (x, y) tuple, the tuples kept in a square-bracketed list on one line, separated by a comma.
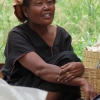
[(47, 15)]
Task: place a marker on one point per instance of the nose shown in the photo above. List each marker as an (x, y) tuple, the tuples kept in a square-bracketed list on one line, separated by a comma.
[(46, 6)]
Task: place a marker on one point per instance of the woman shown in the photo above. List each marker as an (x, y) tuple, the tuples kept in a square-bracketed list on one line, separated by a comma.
[(40, 55)]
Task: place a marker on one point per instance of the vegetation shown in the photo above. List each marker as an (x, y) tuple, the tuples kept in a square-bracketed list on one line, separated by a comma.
[(81, 18)]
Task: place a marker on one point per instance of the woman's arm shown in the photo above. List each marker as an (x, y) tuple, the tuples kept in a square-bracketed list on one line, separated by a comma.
[(40, 68), (48, 72), (51, 72), (71, 70)]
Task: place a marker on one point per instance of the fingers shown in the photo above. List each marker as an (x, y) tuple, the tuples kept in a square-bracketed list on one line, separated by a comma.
[(69, 78), (61, 78), (66, 77), (90, 93), (75, 73), (66, 69), (87, 97), (63, 71), (73, 67), (64, 66), (93, 94), (88, 90)]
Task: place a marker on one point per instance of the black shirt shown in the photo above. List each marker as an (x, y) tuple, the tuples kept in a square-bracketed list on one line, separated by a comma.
[(21, 40)]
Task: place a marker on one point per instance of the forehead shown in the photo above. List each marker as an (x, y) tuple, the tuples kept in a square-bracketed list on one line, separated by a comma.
[(40, 0)]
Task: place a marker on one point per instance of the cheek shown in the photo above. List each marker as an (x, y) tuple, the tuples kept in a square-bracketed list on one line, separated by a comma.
[(54, 9), (32, 15)]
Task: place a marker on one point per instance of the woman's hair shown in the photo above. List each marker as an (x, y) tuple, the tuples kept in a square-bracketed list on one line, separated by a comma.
[(19, 12)]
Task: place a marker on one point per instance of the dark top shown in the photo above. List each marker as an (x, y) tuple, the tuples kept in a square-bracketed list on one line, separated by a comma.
[(21, 40)]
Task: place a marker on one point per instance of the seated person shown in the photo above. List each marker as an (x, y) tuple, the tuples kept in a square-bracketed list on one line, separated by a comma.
[(40, 55)]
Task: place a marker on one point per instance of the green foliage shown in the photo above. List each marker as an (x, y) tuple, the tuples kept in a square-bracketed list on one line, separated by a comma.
[(81, 18), (7, 22)]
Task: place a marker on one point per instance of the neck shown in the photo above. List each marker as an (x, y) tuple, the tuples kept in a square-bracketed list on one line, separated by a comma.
[(40, 29)]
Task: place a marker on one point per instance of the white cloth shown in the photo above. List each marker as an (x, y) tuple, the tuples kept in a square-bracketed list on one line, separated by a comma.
[(8, 92), (93, 49), (97, 44)]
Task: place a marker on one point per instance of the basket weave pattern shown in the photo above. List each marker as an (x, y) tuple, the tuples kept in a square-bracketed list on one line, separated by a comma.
[(91, 74), (91, 59)]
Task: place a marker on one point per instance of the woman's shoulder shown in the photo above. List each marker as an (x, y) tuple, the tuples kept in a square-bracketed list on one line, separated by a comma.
[(61, 28), (58, 28), (62, 31), (18, 31), (21, 27)]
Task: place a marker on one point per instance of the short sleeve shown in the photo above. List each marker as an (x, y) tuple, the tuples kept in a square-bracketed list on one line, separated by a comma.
[(18, 44)]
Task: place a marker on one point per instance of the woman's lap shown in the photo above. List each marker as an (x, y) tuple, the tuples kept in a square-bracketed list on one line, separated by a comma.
[(72, 93)]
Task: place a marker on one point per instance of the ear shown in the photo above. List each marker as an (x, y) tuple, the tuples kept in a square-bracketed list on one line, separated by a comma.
[(25, 11)]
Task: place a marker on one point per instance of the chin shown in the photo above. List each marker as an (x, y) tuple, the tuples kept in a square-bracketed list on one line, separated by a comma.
[(46, 23)]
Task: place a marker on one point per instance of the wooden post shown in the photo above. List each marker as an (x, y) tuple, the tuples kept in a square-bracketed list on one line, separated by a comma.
[(1, 65)]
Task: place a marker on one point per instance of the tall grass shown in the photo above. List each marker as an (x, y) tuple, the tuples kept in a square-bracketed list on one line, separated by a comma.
[(7, 21), (81, 18)]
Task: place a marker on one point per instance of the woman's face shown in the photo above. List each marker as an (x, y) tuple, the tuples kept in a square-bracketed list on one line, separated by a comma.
[(40, 12)]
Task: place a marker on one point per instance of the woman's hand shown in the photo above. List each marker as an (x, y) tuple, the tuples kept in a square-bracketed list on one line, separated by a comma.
[(70, 71), (90, 93)]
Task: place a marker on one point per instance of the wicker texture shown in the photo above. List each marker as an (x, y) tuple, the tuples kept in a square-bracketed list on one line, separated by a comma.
[(91, 59), (92, 75)]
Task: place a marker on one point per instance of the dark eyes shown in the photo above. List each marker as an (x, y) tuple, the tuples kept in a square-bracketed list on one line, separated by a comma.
[(48, 2), (39, 3)]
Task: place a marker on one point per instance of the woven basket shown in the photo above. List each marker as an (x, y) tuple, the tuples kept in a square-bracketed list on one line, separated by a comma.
[(92, 75), (91, 59)]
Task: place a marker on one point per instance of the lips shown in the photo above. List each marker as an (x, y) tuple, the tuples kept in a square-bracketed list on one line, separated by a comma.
[(47, 15)]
